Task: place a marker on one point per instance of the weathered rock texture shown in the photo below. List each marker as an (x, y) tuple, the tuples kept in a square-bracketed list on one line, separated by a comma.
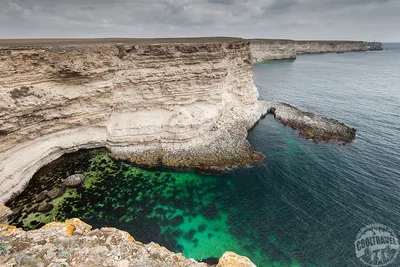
[(311, 126), (264, 49), (182, 103), (75, 244), (312, 47)]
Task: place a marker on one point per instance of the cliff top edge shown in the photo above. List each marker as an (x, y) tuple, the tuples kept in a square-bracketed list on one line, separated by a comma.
[(80, 41)]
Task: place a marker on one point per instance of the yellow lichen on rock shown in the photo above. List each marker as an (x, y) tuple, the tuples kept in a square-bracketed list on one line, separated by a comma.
[(80, 227), (230, 259), (6, 230), (70, 226), (69, 229)]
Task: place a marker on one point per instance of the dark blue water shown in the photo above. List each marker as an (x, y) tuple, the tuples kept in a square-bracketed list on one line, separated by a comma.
[(303, 206)]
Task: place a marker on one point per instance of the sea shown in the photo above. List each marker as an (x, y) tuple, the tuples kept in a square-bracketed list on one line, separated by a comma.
[(305, 205)]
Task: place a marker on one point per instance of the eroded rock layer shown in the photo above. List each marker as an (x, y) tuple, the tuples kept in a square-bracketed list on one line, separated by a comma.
[(264, 49), (312, 47)]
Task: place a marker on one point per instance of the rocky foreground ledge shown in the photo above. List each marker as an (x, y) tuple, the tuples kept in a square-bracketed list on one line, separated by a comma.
[(74, 244)]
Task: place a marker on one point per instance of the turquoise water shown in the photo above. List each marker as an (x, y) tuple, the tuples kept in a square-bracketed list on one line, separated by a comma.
[(303, 206)]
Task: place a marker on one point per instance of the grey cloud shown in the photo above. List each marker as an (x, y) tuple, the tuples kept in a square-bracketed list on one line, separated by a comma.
[(224, 2), (298, 19)]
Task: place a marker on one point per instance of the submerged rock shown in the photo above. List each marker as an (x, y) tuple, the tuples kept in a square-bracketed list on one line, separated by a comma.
[(74, 180), (56, 192), (45, 207), (41, 196)]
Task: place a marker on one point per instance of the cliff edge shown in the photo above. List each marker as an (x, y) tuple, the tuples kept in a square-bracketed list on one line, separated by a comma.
[(74, 244)]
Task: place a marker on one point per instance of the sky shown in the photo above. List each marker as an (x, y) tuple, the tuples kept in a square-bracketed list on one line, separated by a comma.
[(366, 20)]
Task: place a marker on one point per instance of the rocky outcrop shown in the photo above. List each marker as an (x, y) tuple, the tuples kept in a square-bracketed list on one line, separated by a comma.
[(313, 47), (75, 244), (230, 259), (265, 49), (311, 126)]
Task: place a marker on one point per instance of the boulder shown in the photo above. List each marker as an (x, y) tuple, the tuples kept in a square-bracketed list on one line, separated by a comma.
[(45, 207), (230, 259), (41, 196), (56, 192), (74, 180)]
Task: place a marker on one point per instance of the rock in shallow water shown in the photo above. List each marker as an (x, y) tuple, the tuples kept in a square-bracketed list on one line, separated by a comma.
[(45, 207), (74, 180), (56, 192)]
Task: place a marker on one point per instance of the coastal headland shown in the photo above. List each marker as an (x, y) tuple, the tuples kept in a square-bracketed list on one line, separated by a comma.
[(177, 103)]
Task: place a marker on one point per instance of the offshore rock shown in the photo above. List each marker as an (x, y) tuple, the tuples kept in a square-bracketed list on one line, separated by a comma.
[(74, 180), (73, 243), (311, 126), (375, 46)]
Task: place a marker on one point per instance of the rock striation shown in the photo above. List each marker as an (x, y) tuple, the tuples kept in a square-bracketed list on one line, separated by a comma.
[(74, 244), (314, 47), (270, 49), (265, 49)]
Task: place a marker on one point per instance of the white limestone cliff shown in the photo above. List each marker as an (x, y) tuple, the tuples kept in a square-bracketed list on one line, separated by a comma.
[(181, 103)]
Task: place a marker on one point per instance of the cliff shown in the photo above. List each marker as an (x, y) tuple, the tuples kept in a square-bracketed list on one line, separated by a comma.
[(269, 49), (178, 103), (310, 47), (74, 243), (264, 49)]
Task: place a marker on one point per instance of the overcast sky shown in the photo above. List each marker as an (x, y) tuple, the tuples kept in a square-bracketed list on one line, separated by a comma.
[(294, 19)]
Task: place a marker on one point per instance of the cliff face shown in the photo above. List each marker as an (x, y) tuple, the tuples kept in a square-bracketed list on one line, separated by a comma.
[(309, 47), (269, 49), (264, 50), (186, 104)]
